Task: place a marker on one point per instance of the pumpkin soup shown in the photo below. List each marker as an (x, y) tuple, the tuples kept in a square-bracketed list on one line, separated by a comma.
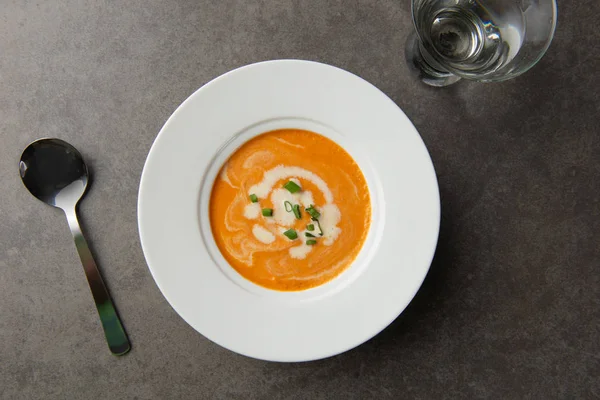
[(290, 210)]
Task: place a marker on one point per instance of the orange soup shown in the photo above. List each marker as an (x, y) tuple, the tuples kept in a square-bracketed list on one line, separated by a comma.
[(290, 210)]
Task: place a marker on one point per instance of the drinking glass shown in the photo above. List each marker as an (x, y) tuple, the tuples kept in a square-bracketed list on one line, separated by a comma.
[(480, 40)]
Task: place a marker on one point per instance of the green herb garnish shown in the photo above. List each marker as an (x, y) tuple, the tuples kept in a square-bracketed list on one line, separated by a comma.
[(292, 187), (311, 242), (288, 206), (297, 211), (253, 198), (319, 225), (310, 227), (291, 234), (267, 212), (308, 234), (312, 211)]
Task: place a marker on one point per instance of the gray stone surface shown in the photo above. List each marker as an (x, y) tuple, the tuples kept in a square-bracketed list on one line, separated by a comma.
[(510, 309)]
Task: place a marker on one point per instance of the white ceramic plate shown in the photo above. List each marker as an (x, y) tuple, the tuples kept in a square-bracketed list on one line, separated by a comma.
[(188, 267)]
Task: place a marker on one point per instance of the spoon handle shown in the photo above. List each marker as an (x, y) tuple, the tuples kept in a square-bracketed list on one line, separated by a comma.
[(113, 329)]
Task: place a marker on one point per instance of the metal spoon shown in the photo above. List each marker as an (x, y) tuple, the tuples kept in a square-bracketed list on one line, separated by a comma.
[(55, 173)]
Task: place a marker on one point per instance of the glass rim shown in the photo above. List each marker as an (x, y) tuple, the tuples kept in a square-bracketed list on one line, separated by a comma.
[(546, 46), (513, 74)]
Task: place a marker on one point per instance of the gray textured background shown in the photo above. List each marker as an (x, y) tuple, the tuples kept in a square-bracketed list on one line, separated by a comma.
[(510, 309)]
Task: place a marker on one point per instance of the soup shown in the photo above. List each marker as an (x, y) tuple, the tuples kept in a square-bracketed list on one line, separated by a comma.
[(290, 210)]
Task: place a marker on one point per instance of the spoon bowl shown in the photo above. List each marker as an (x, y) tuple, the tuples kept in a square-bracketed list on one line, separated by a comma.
[(55, 173)]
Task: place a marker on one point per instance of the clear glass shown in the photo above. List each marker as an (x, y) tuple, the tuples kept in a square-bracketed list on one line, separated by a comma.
[(481, 40)]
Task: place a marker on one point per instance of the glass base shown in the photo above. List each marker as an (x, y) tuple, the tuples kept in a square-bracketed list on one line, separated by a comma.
[(422, 69)]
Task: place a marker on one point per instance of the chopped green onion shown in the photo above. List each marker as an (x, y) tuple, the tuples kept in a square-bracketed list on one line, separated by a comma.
[(292, 187), (267, 212), (308, 234), (291, 234), (312, 211), (311, 242), (319, 225), (310, 227), (253, 198), (297, 211), (288, 206)]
